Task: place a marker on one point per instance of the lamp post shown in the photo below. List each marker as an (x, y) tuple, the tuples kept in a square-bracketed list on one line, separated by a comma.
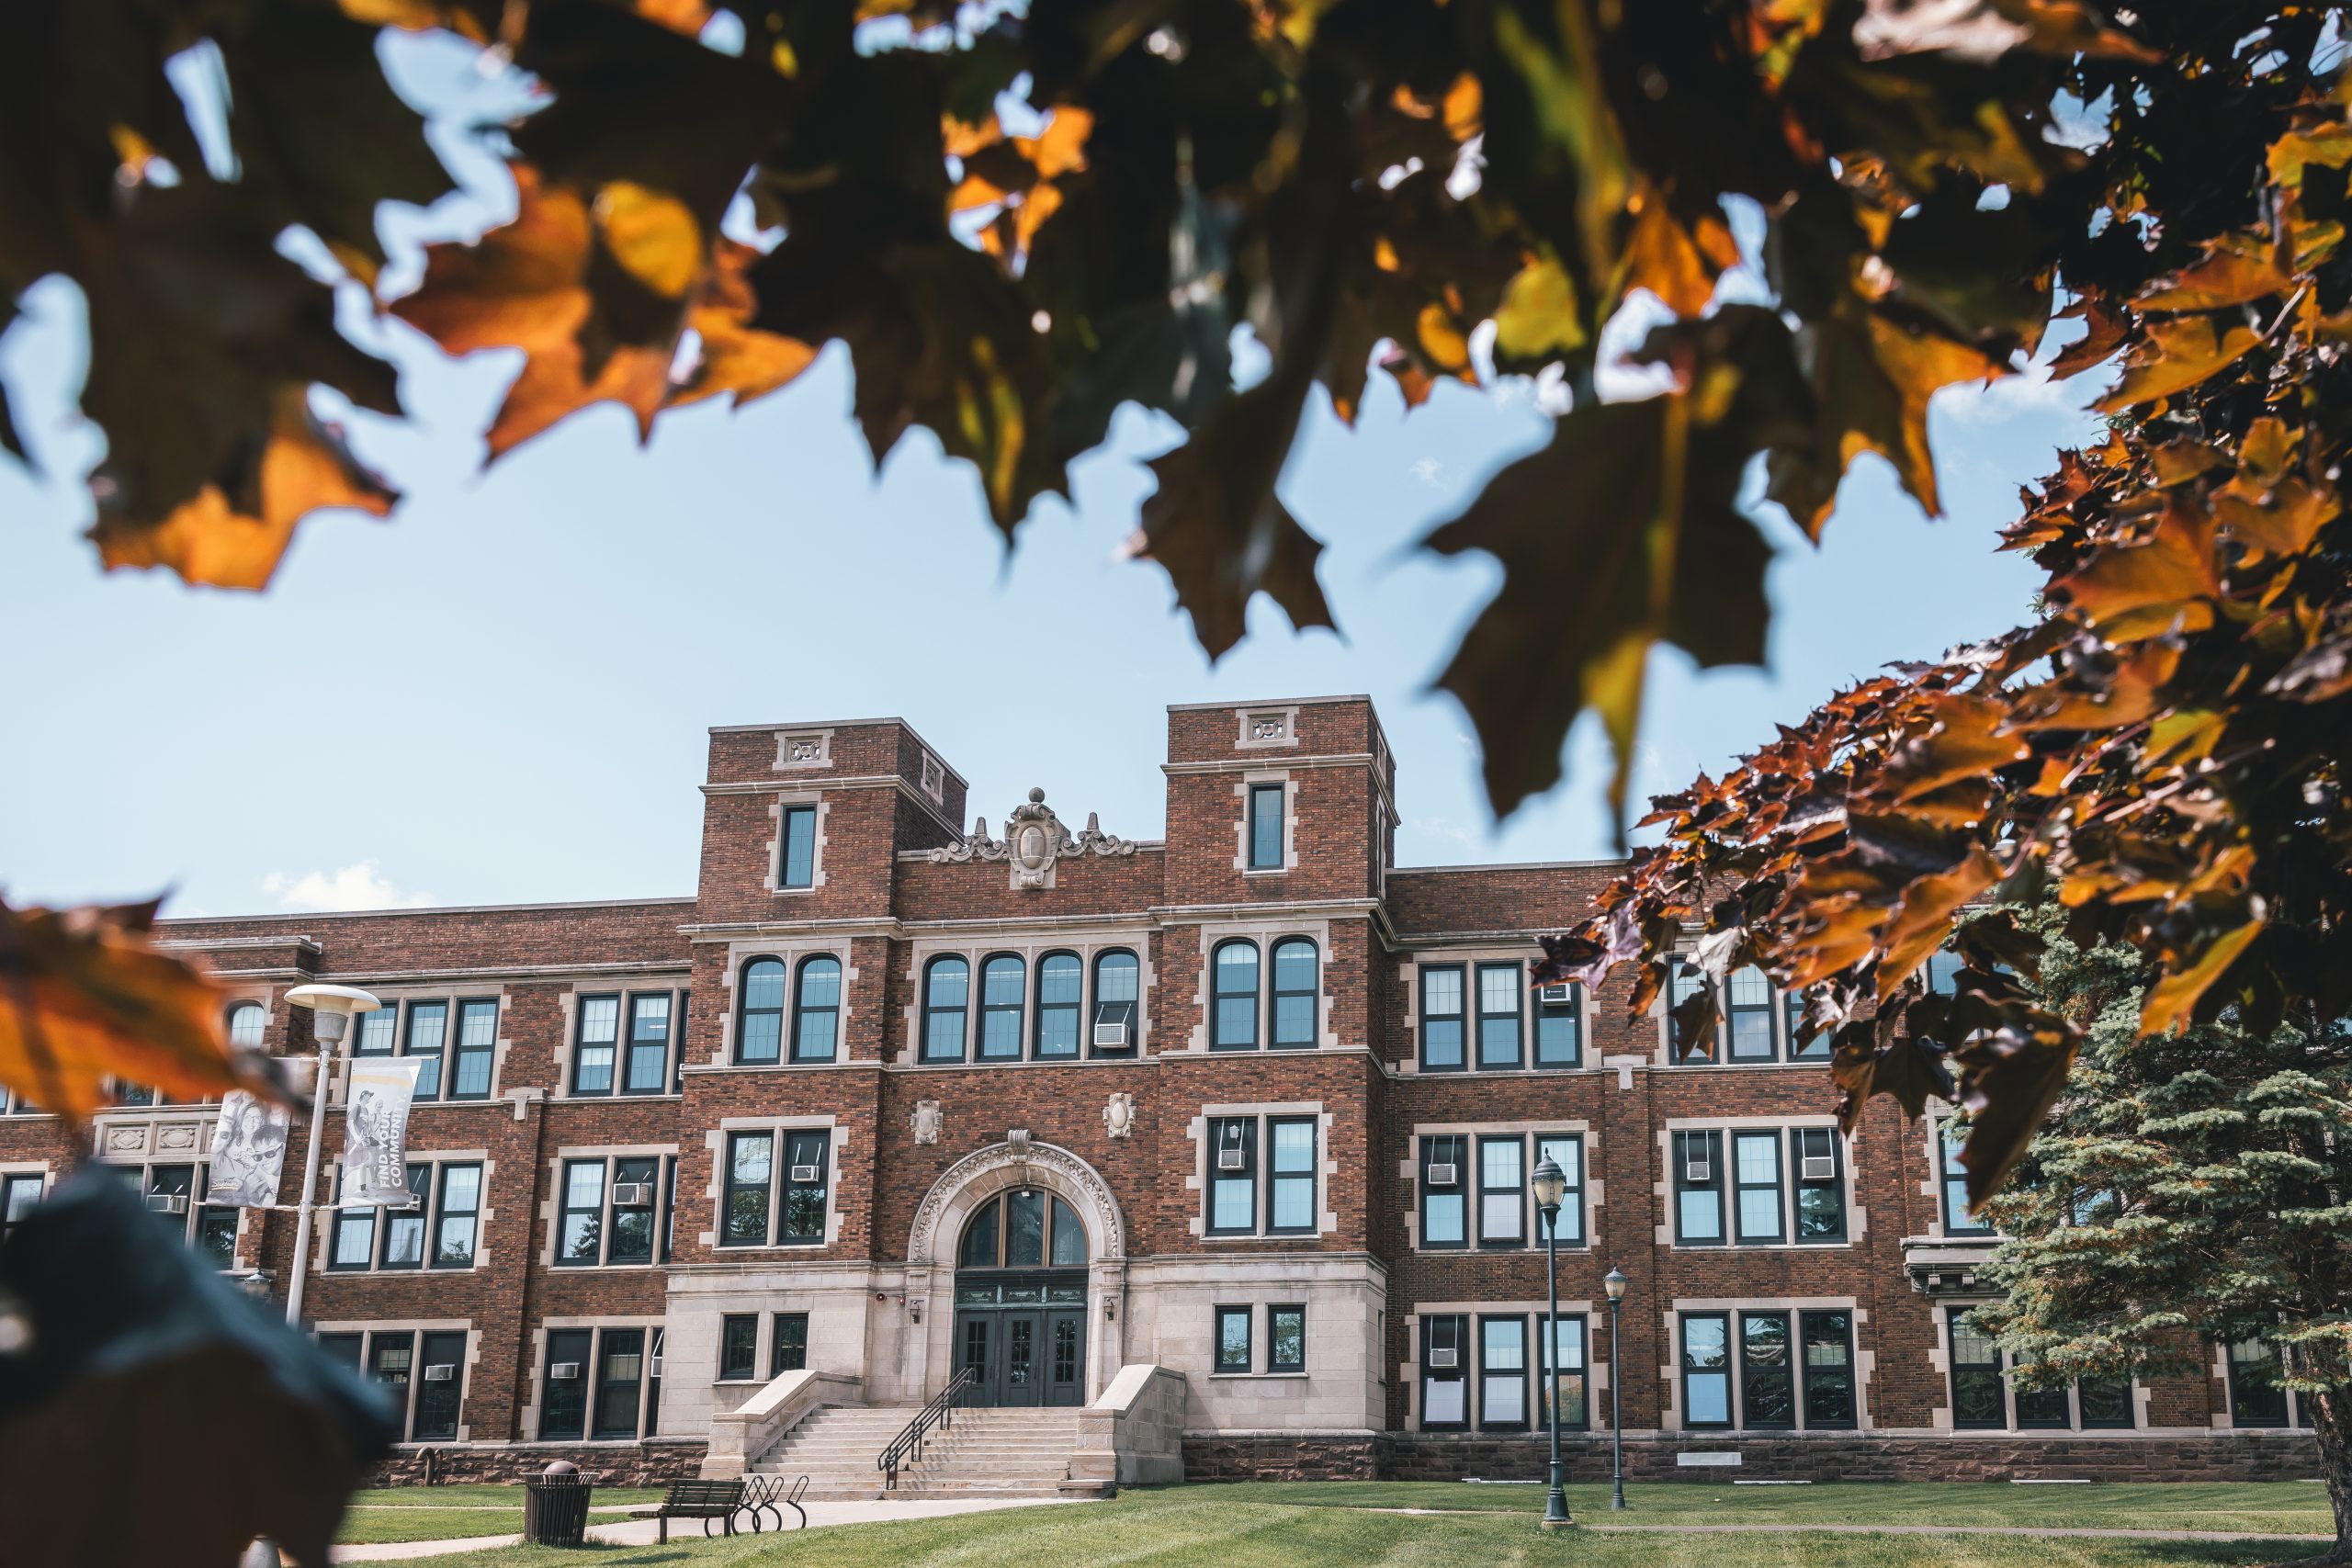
[(1551, 1183), (1615, 1283), (333, 1007)]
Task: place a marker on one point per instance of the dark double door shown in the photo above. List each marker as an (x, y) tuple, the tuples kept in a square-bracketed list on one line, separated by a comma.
[(1021, 1352)]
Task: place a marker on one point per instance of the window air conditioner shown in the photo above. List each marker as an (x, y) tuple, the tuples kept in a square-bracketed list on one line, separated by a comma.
[(1443, 1173), (1444, 1358), (167, 1202), (1110, 1034), (1698, 1172), (632, 1195), (1819, 1168), (440, 1374), (563, 1372), (1229, 1159), (804, 1173), (1555, 996)]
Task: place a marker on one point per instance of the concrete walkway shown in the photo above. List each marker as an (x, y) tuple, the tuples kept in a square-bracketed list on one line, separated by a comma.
[(643, 1532)]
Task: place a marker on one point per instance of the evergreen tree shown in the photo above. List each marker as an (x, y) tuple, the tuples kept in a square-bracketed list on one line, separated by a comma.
[(2190, 1191)]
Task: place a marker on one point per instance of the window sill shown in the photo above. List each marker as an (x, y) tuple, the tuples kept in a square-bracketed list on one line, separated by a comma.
[(602, 1268), (600, 1096), (1258, 1377), (1761, 1246)]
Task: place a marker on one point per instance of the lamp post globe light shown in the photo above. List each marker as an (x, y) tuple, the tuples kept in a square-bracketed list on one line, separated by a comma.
[(331, 1006), (1614, 1282), (1551, 1184)]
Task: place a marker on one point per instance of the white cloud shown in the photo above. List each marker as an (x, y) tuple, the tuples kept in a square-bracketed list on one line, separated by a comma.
[(360, 887)]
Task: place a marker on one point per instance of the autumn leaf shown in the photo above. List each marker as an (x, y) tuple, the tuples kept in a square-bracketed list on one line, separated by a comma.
[(1539, 314), (2173, 999), (2172, 356), (1925, 921), (2134, 590)]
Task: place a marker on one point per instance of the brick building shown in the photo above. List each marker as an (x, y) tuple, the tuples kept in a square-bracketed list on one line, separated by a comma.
[(883, 1101)]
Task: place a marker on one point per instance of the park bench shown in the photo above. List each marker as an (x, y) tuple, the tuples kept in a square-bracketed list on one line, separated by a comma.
[(722, 1500)]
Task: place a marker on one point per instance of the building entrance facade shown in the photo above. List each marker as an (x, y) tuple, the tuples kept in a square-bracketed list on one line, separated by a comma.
[(1020, 1302)]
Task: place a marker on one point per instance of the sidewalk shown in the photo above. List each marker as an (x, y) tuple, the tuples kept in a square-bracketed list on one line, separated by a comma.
[(643, 1532)]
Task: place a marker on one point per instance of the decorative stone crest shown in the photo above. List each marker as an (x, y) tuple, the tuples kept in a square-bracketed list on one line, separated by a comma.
[(926, 1120), (1119, 1115), (1035, 838)]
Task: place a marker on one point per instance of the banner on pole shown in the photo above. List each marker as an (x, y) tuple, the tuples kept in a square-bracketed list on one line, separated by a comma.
[(375, 1131), (248, 1152)]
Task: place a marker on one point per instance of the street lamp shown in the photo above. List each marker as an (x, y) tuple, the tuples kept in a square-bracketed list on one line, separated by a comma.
[(332, 1006), (1551, 1183), (1614, 1282)]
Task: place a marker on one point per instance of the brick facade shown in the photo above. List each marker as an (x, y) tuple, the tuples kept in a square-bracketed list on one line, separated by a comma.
[(833, 859)]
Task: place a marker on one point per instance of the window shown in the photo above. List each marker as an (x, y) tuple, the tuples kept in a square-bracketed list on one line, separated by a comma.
[(1559, 1026), (1943, 972), (751, 1177), (608, 1211), (1117, 984), (1767, 1394), (563, 1397), (477, 1050), (444, 1203), (378, 1032), (1061, 979), (1685, 1046), (2105, 1402), (247, 1022), (1002, 979), (817, 1010), (1953, 1179), (428, 1033), (1445, 1370), (1499, 1015), (2256, 1397), (1803, 1046), (759, 1023), (678, 1057), (18, 1193), (1233, 1176), (1233, 1340), (1286, 1338), (405, 1228), (391, 1358), (1290, 1208), (2042, 1408), (1236, 974), (648, 1044), (1441, 1018), (1750, 1012), (1502, 1371), (1502, 1206), (1828, 1346), (390, 1355), (600, 1033), (580, 1225), (620, 1382), (441, 1379), (1756, 1184), (947, 996), (1979, 1394), (174, 1195), (1024, 1228), (14, 1104), (738, 1347), (1567, 1151), (1444, 1205), (1821, 1187), (800, 1218), (1698, 1188), (1706, 1369), (1566, 1381), (1984, 1397), (796, 847), (1295, 995), (1266, 827), (788, 1344), (458, 1217)]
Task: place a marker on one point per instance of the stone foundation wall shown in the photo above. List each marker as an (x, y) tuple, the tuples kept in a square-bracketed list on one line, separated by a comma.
[(1415, 1456), (655, 1463)]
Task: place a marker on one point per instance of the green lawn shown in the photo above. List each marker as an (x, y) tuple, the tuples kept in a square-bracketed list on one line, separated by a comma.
[(451, 1513), (1273, 1525)]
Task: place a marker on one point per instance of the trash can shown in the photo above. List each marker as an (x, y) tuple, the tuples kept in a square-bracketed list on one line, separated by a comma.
[(555, 1506)]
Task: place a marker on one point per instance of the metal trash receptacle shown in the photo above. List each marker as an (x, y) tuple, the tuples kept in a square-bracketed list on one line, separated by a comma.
[(555, 1506)]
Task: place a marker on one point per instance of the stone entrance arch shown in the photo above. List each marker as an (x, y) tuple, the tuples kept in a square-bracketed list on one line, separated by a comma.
[(940, 1218)]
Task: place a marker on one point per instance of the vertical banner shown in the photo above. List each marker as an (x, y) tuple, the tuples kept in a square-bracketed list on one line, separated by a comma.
[(375, 1131), (248, 1152)]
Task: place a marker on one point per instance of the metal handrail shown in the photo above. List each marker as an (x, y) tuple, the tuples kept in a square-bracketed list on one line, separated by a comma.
[(940, 1412)]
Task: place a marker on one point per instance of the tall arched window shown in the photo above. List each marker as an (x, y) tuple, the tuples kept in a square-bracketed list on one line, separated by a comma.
[(1294, 994), (1024, 1228), (1002, 980), (817, 1010), (1117, 978), (946, 998), (759, 1026), (1234, 1026), (247, 1020), (1061, 984)]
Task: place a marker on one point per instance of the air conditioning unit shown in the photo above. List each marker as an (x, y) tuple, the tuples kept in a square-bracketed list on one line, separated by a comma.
[(804, 1173), (1698, 1172), (440, 1374), (632, 1195), (1231, 1159), (563, 1372), (1555, 996), (1445, 1357), (1819, 1168), (1110, 1036), (1443, 1173), (167, 1202)]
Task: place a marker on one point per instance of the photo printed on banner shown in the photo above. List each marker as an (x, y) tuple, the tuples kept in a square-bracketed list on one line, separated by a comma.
[(375, 1132), (248, 1152)]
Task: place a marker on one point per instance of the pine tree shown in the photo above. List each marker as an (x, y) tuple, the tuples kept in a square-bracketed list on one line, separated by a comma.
[(2190, 1191)]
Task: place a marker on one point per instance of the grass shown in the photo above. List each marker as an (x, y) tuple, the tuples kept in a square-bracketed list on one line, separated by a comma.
[(1337, 1525), (453, 1512)]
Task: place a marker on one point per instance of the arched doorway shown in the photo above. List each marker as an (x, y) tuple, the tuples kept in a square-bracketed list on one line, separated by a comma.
[(1021, 1283)]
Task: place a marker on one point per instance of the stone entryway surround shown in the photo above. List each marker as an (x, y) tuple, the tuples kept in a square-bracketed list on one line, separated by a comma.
[(962, 1188)]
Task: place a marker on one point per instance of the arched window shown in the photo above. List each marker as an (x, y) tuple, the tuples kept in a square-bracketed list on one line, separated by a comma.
[(1751, 1015), (1234, 1026), (246, 1022), (1689, 980), (1024, 1228), (1294, 994), (817, 1010), (1116, 987), (1002, 979), (759, 1029), (946, 997), (1061, 980)]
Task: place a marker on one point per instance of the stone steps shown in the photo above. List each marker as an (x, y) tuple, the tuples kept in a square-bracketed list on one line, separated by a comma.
[(992, 1453)]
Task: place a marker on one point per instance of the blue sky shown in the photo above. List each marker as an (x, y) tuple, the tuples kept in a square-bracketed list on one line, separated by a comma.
[(501, 694)]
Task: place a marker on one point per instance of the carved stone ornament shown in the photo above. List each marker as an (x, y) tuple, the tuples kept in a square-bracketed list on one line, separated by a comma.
[(1034, 840), (172, 1135), (926, 1120), (1119, 1115), (126, 1140), (1017, 1142), (989, 1170)]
